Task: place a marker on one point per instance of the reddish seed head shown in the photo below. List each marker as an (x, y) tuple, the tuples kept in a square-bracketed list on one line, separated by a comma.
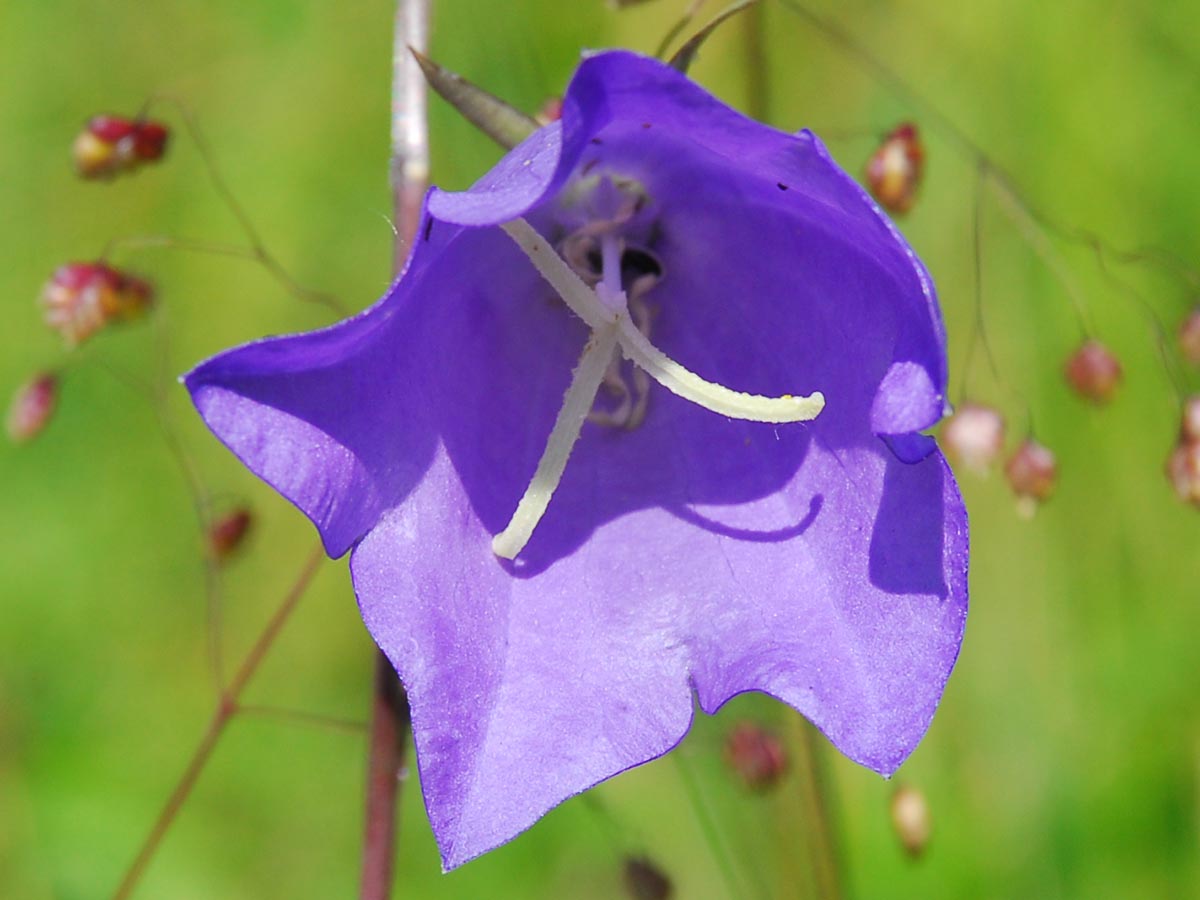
[(150, 141), (646, 881), (1032, 472), (895, 169), (1183, 471), (228, 532), (1189, 421), (1189, 337), (110, 145), (32, 406), (1093, 372), (756, 755), (974, 436), (81, 298), (911, 820)]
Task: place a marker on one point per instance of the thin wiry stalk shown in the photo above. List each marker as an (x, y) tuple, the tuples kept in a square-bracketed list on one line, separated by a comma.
[(409, 172), (258, 248), (1035, 225), (226, 709)]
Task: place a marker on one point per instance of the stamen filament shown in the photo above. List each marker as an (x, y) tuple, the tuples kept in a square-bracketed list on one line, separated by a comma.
[(580, 298), (577, 402), (715, 397)]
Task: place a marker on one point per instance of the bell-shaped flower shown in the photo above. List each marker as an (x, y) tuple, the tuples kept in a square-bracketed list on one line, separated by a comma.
[(637, 427)]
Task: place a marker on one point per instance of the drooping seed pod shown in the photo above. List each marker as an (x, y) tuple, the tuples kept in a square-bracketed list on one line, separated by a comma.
[(911, 819), (646, 881), (32, 407), (228, 532), (895, 169), (1189, 337), (1093, 372), (1183, 471), (757, 756), (81, 298), (974, 436), (111, 145), (1189, 420), (1032, 473)]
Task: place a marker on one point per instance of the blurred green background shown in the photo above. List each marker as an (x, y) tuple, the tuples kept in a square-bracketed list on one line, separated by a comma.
[(1065, 759)]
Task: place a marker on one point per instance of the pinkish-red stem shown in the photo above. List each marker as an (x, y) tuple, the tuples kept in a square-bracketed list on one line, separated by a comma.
[(226, 709), (390, 721)]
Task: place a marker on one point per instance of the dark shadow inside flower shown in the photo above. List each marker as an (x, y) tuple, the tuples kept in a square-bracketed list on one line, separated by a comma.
[(906, 549), (788, 532)]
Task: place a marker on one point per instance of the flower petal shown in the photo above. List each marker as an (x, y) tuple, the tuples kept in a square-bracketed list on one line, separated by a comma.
[(343, 422), (844, 594)]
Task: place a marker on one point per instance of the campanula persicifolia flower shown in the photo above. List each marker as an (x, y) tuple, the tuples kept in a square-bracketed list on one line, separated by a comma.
[(81, 298), (110, 145), (638, 425)]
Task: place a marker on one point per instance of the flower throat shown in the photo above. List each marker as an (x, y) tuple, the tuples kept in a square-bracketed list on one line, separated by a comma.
[(620, 320)]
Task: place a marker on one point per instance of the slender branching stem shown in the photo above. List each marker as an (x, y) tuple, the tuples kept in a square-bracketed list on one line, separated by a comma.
[(226, 709), (409, 172)]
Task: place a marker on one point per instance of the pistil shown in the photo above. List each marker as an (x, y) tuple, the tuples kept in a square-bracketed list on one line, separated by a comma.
[(605, 310)]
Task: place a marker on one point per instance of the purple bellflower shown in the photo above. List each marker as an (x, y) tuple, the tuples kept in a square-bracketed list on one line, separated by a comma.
[(640, 422)]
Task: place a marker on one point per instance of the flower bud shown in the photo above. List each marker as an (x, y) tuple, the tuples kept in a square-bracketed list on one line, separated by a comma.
[(1093, 372), (646, 881), (1183, 471), (110, 145), (1032, 472), (32, 406), (974, 436), (1189, 337), (227, 533), (756, 755), (911, 819), (894, 170), (81, 298)]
